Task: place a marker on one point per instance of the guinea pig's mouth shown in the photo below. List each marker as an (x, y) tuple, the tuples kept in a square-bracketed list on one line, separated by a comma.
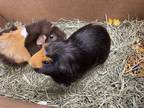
[(38, 59)]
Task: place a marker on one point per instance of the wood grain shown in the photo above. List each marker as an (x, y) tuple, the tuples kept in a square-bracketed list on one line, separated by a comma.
[(28, 10)]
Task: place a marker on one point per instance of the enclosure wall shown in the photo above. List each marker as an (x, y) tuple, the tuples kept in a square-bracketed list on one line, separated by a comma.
[(28, 10)]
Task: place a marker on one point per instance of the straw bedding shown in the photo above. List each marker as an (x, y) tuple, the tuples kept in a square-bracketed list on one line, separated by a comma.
[(104, 86)]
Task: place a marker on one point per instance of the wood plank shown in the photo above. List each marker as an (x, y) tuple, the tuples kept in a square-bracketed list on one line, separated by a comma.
[(11, 103), (28, 10)]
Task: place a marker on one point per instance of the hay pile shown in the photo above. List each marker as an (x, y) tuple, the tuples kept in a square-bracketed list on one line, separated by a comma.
[(104, 86)]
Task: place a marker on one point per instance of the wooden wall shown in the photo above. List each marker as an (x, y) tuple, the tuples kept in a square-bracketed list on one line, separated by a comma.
[(28, 10), (11, 103)]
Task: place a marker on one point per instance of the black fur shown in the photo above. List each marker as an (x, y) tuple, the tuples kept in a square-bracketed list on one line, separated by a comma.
[(71, 58)]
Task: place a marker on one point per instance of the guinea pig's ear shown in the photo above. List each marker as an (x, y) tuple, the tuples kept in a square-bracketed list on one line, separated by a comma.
[(41, 40)]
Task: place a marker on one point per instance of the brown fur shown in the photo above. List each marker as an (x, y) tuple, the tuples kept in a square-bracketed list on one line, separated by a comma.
[(38, 29)]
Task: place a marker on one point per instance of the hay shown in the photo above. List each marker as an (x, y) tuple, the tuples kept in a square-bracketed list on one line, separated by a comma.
[(103, 86)]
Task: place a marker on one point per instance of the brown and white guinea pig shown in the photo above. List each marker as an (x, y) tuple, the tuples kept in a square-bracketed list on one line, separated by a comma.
[(42, 32), (12, 47), (17, 49), (65, 61)]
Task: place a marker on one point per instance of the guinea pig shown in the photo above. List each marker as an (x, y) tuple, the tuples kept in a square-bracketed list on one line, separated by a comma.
[(12, 49), (70, 59), (42, 32)]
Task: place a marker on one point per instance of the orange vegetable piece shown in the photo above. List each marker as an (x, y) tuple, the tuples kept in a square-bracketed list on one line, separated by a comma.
[(115, 22), (110, 21)]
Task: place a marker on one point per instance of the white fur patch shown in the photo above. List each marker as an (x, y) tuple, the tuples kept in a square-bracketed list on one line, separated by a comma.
[(24, 33)]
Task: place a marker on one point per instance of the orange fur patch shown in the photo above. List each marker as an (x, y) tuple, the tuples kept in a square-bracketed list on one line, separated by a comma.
[(37, 59), (12, 46)]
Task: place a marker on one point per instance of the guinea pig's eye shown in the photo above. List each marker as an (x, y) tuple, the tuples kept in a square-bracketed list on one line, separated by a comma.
[(52, 37)]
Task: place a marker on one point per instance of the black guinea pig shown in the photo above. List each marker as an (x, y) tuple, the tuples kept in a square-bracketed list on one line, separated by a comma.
[(71, 58), (42, 32)]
